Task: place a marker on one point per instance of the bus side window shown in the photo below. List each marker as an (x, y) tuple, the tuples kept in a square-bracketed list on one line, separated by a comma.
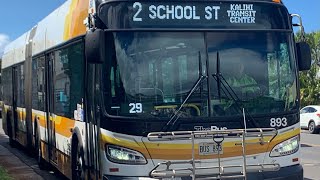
[(20, 86), (38, 77), (7, 85), (68, 79)]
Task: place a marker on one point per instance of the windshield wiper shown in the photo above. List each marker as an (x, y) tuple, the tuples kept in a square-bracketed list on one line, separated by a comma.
[(174, 117), (225, 87)]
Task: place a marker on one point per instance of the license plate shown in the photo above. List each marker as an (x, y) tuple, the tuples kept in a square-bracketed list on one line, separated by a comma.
[(209, 148)]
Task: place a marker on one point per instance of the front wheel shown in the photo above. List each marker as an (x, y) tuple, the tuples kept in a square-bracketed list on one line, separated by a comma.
[(78, 165), (312, 128)]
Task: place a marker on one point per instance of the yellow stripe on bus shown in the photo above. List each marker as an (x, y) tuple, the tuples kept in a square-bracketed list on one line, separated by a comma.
[(178, 151), (63, 125)]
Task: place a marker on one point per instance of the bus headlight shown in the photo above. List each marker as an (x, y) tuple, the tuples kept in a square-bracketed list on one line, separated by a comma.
[(123, 155), (287, 147)]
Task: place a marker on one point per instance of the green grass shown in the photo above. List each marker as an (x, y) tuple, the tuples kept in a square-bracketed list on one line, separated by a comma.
[(4, 175)]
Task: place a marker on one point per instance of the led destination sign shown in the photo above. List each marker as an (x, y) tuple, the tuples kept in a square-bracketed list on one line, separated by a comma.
[(238, 13), (194, 15)]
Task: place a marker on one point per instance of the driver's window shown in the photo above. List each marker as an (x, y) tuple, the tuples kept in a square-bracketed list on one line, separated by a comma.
[(279, 71)]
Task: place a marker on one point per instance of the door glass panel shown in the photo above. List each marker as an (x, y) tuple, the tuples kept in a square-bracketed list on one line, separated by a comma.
[(68, 81)]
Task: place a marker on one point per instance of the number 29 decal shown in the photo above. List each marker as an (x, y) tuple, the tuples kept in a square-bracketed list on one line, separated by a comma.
[(135, 108), (278, 122)]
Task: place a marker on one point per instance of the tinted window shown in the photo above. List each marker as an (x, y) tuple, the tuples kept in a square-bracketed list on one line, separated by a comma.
[(312, 110), (7, 85), (38, 84), (305, 110), (68, 80), (20, 85), (153, 72)]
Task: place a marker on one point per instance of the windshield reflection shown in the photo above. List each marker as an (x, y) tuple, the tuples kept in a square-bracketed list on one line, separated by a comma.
[(257, 67), (151, 73)]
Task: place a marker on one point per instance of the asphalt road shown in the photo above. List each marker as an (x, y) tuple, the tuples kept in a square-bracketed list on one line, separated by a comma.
[(22, 166), (310, 155)]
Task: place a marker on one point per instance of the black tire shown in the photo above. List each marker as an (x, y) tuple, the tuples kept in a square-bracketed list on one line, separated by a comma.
[(312, 128), (77, 162), (41, 162), (12, 142)]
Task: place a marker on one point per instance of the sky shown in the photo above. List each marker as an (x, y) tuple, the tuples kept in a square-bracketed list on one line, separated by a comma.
[(19, 16)]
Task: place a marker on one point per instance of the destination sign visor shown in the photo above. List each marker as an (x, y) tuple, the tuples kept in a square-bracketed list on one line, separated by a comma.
[(207, 15)]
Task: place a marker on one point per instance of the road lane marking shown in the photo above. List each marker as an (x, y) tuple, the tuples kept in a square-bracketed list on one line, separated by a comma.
[(310, 164), (313, 145)]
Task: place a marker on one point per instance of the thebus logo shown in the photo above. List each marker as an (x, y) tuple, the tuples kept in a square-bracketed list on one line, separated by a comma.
[(212, 128)]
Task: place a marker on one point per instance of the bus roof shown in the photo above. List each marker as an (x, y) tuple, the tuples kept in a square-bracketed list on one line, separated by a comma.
[(63, 24)]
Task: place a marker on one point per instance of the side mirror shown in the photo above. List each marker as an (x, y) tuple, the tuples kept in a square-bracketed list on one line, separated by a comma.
[(95, 46), (304, 56)]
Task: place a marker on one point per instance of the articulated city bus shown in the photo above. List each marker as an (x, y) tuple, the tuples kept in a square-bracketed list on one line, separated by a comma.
[(121, 89)]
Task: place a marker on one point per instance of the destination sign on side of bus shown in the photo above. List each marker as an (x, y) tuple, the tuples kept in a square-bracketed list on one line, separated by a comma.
[(142, 14)]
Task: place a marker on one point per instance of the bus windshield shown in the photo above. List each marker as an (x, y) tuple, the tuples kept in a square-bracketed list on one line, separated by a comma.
[(152, 73)]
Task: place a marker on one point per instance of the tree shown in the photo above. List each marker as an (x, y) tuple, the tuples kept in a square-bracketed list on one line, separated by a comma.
[(310, 80)]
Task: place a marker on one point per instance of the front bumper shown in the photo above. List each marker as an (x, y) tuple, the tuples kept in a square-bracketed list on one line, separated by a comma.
[(286, 173)]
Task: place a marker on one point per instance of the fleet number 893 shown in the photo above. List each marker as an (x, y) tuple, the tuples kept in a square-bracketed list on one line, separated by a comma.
[(278, 122)]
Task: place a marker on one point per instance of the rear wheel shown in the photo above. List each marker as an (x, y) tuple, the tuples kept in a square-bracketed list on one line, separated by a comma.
[(9, 130), (312, 128)]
